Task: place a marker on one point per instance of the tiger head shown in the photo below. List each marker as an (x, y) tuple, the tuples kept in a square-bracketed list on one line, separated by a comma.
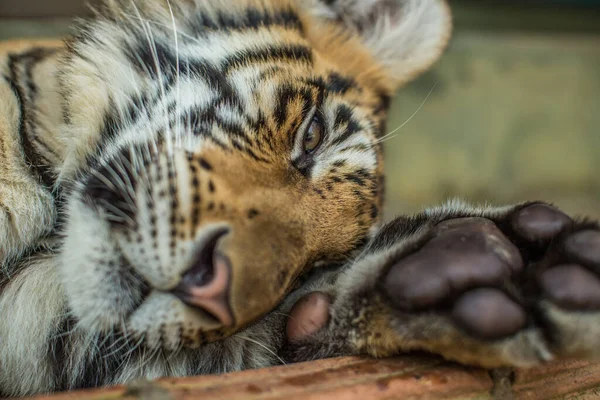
[(218, 149)]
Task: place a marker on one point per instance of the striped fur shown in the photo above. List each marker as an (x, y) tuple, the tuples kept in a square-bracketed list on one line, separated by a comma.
[(155, 124)]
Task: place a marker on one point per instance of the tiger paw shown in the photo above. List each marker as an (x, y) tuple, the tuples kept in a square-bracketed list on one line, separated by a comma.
[(514, 286)]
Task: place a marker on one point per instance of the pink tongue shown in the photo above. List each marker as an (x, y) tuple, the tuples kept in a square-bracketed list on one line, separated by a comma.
[(213, 297), (308, 316)]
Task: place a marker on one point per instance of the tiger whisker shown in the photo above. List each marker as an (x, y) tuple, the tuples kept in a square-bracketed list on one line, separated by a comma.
[(265, 347), (152, 45), (177, 88), (386, 136)]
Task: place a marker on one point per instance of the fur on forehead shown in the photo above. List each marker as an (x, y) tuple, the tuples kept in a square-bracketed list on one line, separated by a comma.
[(387, 42), (400, 38)]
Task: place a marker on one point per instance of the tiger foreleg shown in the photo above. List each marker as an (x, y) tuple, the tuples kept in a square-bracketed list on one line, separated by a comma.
[(512, 286)]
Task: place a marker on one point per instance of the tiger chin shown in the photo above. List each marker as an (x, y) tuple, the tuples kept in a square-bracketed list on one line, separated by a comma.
[(185, 183)]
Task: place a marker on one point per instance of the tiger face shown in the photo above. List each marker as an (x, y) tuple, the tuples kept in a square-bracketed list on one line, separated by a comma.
[(219, 149)]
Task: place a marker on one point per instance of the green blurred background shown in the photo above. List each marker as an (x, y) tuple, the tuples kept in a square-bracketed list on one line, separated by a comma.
[(513, 111)]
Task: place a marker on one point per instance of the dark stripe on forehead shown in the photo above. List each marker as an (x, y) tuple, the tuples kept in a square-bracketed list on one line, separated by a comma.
[(253, 18), (344, 116), (161, 65), (291, 53), (159, 61), (234, 130), (334, 83), (201, 123), (286, 94), (315, 81), (340, 84), (156, 60)]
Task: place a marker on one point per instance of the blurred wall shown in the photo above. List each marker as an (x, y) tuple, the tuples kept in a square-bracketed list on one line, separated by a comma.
[(42, 8), (514, 114), (513, 111)]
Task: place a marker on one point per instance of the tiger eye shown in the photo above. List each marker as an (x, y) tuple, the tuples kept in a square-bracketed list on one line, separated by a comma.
[(313, 136)]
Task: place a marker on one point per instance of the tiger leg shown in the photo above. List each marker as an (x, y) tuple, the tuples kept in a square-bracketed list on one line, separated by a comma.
[(26, 207), (513, 286)]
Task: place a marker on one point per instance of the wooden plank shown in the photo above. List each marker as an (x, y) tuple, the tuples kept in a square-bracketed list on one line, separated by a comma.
[(562, 380), (355, 378)]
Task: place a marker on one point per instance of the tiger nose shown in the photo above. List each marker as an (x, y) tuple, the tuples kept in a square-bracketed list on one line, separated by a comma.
[(205, 284)]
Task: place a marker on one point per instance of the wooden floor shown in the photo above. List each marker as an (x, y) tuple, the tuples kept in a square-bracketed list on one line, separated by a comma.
[(353, 378)]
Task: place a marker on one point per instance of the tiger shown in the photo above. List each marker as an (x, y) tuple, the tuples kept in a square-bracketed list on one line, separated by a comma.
[(196, 187)]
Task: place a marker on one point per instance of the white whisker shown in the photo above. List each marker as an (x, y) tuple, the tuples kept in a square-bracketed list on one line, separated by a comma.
[(152, 45), (177, 101), (389, 135), (256, 342)]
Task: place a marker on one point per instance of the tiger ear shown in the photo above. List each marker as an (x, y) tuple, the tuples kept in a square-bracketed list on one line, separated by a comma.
[(404, 36)]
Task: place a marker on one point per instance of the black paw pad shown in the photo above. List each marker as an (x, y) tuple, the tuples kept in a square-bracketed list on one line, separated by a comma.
[(489, 314), (572, 287), (464, 253), (585, 246), (540, 222)]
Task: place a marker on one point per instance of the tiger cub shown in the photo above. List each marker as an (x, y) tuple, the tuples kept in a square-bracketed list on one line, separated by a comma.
[(178, 177)]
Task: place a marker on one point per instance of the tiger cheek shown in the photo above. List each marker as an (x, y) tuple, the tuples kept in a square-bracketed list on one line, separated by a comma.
[(267, 244), (271, 243)]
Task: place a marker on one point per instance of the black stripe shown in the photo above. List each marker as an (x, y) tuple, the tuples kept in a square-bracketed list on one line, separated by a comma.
[(339, 84), (264, 133), (381, 113), (290, 53), (344, 116), (252, 154), (101, 365), (11, 269), (98, 194), (27, 61), (161, 58), (104, 358), (285, 95), (58, 351), (137, 107), (155, 61), (201, 122), (361, 177), (253, 18)]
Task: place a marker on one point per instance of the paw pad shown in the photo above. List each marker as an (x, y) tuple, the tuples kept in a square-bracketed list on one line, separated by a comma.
[(309, 315), (585, 246), (572, 287), (488, 314), (540, 222), (465, 253)]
